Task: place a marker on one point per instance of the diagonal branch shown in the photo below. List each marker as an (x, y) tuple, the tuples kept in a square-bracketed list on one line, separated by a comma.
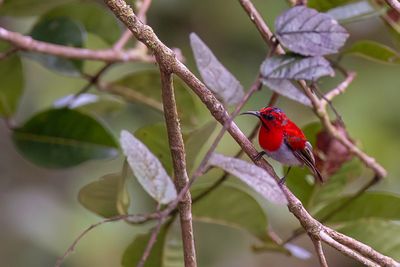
[(166, 59), (178, 159)]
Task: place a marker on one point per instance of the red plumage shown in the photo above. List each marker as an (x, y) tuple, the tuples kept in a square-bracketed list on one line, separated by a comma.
[(282, 140)]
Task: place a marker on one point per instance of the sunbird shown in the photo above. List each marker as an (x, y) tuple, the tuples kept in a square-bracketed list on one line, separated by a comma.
[(282, 140)]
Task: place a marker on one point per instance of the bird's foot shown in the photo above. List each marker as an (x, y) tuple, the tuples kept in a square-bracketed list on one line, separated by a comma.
[(282, 180), (259, 156)]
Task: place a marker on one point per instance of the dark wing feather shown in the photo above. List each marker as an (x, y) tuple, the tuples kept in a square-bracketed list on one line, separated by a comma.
[(307, 157)]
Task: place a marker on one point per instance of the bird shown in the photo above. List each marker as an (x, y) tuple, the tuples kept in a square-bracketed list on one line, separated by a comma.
[(282, 140)]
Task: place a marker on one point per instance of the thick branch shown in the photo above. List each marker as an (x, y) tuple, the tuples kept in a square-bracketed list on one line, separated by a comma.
[(167, 59), (26, 43), (178, 159)]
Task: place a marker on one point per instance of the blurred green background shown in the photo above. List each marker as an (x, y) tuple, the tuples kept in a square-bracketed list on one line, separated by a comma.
[(40, 214)]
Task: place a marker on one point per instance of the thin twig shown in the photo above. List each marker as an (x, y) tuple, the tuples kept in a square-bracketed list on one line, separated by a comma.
[(320, 252), (152, 240), (134, 219), (338, 90), (179, 163)]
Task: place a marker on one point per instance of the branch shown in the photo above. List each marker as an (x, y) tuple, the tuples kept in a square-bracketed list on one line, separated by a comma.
[(134, 219), (166, 58), (178, 159), (340, 89), (395, 4), (320, 252), (348, 252), (26, 43), (152, 240)]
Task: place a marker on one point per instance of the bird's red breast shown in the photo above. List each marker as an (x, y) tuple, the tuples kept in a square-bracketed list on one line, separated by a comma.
[(278, 128)]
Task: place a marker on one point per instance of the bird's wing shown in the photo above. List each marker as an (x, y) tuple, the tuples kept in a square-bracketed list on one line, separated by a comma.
[(307, 157)]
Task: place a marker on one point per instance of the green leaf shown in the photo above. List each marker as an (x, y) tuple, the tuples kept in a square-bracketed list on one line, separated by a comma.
[(380, 234), (61, 138), (195, 140), (11, 85), (29, 7), (95, 18), (374, 51), (106, 197), (335, 185), (61, 31), (228, 205), (148, 83), (369, 205), (155, 138), (147, 169), (323, 5)]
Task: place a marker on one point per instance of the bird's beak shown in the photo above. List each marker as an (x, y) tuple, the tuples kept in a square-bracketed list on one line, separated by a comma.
[(254, 113)]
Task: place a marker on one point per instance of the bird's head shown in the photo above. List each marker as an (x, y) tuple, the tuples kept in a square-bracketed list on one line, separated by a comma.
[(271, 117)]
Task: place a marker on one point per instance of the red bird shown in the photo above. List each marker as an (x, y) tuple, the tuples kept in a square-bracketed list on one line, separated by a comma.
[(283, 141)]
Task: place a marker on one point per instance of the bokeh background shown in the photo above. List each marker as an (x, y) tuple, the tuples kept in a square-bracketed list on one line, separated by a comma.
[(40, 213)]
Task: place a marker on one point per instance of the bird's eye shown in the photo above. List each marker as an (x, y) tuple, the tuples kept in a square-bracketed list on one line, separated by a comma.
[(269, 117)]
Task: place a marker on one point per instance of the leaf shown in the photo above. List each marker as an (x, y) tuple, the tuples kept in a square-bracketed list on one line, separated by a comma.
[(106, 197), (323, 5), (370, 205), (295, 67), (236, 208), (147, 169), (287, 89), (374, 51), (217, 78), (11, 85), (380, 234), (305, 31), (92, 16), (135, 250), (195, 140), (61, 31), (335, 185), (28, 7), (255, 177), (148, 84), (155, 138), (61, 138), (276, 72), (353, 11)]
